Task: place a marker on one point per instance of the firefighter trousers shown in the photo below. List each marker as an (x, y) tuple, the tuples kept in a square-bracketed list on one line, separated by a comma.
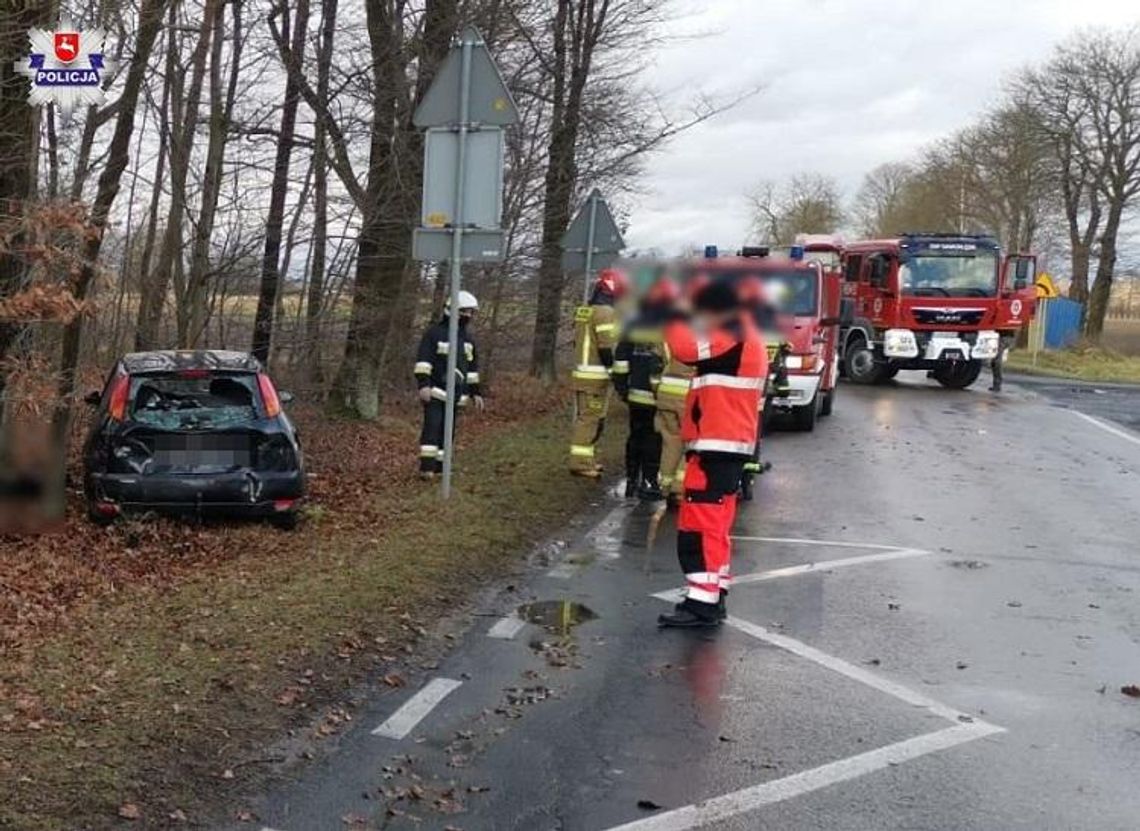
[(703, 527), (642, 446), (431, 437), (591, 404), (667, 421)]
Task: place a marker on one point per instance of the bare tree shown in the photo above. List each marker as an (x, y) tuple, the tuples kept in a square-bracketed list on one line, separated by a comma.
[(877, 207), (807, 203)]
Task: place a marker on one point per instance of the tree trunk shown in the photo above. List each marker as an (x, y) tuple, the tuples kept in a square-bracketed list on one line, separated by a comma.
[(275, 222), (150, 20), (313, 367), (1105, 269), (221, 110), (181, 150), (19, 134)]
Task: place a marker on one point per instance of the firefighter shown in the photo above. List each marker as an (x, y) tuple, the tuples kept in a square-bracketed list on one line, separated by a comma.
[(595, 335), (431, 378), (719, 429), (671, 392), (759, 298), (638, 362)]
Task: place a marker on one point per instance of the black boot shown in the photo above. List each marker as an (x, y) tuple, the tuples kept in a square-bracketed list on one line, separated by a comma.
[(722, 605), (689, 615), (649, 492), (746, 488), (630, 487)]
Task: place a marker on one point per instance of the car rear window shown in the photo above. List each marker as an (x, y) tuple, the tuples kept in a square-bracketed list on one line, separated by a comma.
[(193, 400)]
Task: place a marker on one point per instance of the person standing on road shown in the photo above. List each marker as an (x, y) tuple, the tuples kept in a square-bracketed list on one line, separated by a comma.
[(431, 378), (996, 364), (595, 335), (672, 390), (719, 429), (760, 299), (638, 362)]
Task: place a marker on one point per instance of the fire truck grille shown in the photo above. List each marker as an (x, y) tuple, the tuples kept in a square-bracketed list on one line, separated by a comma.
[(957, 317)]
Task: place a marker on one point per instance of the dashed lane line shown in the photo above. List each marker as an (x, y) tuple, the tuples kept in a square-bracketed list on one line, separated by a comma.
[(767, 793), (506, 628), (412, 712)]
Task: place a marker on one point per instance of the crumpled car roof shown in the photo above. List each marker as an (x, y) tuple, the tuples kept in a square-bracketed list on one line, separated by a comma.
[(172, 361)]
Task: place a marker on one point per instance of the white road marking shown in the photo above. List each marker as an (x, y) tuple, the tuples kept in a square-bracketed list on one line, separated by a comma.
[(412, 712), (563, 571), (853, 672), (749, 799), (1108, 428), (506, 628), (827, 565), (828, 543)]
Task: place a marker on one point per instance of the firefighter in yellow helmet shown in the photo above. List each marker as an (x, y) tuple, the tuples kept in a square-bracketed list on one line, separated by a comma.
[(595, 336)]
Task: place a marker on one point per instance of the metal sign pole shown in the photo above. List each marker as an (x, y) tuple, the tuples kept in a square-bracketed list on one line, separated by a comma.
[(590, 246), (456, 269)]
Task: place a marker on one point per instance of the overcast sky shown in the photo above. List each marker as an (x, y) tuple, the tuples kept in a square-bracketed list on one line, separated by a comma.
[(849, 84)]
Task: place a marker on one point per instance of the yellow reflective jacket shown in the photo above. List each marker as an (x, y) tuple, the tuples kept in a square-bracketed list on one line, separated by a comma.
[(595, 335)]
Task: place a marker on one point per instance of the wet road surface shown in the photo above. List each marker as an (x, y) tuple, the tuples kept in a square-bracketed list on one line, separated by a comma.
[(936, 610)]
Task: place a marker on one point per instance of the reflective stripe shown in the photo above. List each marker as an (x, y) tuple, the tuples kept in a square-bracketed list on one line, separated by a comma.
[(730, 381), (428, 451), (442, 347), (472, 377), (582, 450), (702, 595), (606, 327), (642, 397), (703, 578), (438, 394), (592, 372), (673, 385), (704, 351), (620, 367), (469, 350), (744, 448), (423, 368), (751, 467)]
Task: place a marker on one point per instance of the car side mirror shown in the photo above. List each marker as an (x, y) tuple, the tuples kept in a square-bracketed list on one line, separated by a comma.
[(93, 398), (285, 397)]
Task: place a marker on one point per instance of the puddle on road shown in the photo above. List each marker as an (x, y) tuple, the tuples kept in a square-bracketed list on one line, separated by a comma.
[(556, 616)]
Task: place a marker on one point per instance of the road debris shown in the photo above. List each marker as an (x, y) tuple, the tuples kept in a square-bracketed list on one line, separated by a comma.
[(1131, 690)]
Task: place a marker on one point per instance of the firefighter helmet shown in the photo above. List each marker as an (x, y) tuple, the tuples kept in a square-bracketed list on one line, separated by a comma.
[(467, 302), (613, 282), (663, 292)]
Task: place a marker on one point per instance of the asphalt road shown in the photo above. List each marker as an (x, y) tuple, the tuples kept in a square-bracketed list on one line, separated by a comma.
[(937, 612)]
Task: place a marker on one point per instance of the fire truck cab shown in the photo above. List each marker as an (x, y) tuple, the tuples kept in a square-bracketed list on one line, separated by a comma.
[(939, 302), (807, 324)]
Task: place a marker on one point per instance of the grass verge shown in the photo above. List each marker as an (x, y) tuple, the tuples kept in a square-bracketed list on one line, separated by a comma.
[(1084, 362), (150, 702)]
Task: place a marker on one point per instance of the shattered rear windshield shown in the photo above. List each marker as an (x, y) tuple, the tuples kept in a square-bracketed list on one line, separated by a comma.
[(193, 400)]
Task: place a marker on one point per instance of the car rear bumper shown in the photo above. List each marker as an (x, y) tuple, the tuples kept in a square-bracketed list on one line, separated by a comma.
[(240, 493)]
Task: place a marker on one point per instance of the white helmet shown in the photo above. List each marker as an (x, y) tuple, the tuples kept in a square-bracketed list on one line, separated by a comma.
[(467, 302)]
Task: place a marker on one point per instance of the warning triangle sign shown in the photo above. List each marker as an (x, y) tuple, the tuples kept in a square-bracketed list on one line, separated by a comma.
[(490, 101)]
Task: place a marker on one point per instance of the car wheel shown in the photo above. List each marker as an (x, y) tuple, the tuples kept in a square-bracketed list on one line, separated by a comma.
[(286, 521), (859, 359), (828, 403), (958, 375)]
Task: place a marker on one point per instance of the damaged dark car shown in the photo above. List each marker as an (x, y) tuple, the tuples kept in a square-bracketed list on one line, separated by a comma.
[(197, 432)]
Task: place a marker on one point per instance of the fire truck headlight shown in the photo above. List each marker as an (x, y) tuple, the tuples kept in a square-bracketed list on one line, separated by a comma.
[(986, 346), (900, 343)]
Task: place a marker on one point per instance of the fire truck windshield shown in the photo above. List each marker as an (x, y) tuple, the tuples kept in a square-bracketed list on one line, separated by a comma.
[(950, 274)]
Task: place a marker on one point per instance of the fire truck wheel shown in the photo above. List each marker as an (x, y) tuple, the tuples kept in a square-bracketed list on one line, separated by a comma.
[(859, 359), (828, 402), (958, 375)]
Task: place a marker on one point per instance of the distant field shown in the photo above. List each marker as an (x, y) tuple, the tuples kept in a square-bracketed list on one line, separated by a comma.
[(1123, 336)]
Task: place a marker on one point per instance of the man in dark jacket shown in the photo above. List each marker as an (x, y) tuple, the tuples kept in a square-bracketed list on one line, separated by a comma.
[(431, 377), (638, 362)]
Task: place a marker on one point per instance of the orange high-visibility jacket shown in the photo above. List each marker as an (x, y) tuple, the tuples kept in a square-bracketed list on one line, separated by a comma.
[(731, 366)]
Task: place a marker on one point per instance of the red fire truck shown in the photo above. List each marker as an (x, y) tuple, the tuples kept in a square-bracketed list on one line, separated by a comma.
[(939, 302), (808, 326)]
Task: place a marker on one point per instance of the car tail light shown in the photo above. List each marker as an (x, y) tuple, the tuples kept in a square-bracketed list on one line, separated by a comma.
[(194, 373), (283, 504), (117, 403), (269, 396)]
